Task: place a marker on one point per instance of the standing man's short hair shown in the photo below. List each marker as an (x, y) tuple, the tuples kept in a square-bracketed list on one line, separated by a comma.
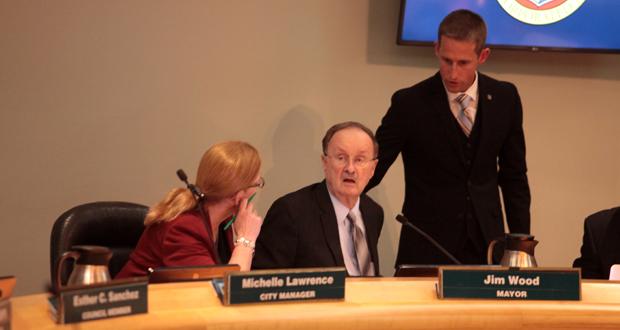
[(464, 25)]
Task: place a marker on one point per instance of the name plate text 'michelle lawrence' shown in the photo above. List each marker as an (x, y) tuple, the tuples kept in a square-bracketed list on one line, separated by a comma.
[(282, 285)]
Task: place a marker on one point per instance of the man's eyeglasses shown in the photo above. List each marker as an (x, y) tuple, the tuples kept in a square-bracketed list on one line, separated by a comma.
[(358, 162)]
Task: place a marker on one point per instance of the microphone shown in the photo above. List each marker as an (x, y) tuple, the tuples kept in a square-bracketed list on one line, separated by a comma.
[(195, 191), (401, 218)]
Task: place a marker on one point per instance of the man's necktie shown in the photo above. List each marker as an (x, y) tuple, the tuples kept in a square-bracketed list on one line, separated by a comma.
[(465, 117), (361, 247)]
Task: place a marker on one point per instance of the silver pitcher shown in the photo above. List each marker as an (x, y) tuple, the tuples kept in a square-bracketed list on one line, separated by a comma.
[(91, 265), (519, 251)]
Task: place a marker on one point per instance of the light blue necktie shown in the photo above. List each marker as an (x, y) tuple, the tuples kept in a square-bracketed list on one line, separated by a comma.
[(465, 117), (361, 247)]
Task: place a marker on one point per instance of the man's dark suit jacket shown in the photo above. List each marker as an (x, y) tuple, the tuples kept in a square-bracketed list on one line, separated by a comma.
[(301, 230), (601, 244), (441, 184)]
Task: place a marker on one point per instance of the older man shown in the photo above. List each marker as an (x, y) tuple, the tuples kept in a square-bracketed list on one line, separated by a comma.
[(330, 223)]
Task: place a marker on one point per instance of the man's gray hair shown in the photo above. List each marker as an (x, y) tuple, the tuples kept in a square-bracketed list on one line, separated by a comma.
[(349, 124)]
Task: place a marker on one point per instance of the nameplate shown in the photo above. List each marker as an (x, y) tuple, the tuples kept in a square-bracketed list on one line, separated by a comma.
[(281, 285), (113, 299), (510, 283)]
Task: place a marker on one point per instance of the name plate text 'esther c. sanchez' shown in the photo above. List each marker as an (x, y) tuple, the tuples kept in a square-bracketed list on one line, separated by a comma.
[(99, 301), (509, 283), (281, 285)]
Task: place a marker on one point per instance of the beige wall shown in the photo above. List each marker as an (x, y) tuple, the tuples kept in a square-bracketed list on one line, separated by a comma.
[(104, 100)]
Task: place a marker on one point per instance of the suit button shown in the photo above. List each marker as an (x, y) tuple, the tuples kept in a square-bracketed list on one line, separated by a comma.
[(467, 162), (468, 145), (468, 198)]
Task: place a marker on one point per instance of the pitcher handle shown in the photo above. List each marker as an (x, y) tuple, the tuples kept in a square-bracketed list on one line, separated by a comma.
[(490, 251), (60, 263)]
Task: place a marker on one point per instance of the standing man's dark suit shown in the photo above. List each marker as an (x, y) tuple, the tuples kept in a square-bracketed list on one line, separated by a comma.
[(601, 244), (452, 181), (300, 230)]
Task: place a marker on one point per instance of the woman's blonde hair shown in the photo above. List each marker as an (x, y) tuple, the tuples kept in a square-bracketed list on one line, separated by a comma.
[(225, 168)]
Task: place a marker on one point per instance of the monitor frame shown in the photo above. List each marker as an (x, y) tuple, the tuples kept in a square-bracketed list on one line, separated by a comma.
[(403, 42)]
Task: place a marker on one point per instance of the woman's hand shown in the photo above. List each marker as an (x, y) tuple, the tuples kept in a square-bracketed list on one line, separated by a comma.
[(248, 223)]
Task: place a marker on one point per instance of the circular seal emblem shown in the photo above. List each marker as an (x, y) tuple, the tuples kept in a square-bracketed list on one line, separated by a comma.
[(540, 12)]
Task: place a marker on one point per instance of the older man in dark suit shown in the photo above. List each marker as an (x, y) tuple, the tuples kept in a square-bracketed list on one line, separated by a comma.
[(330, 223), (461, 139)]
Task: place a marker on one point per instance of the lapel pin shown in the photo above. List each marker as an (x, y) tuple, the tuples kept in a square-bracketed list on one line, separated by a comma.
[(489, 97)]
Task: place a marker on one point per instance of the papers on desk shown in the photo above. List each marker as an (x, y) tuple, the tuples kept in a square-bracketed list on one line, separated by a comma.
[(218, 285), (614, 273)]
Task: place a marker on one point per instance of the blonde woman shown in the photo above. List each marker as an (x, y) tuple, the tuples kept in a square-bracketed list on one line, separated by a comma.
[(179, 233)]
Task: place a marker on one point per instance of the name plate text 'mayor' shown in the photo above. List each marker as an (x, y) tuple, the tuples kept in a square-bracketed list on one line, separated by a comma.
[(510, 283)]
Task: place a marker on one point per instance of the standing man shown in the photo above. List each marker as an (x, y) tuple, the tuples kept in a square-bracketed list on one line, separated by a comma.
[(329, 223), (461, 138)]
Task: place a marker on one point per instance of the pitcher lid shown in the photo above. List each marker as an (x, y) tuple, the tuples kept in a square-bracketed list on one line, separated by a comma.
[(520, 237), (92, 255)]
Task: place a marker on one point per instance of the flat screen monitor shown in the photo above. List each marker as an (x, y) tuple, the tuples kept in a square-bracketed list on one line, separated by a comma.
[(567, 25)]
